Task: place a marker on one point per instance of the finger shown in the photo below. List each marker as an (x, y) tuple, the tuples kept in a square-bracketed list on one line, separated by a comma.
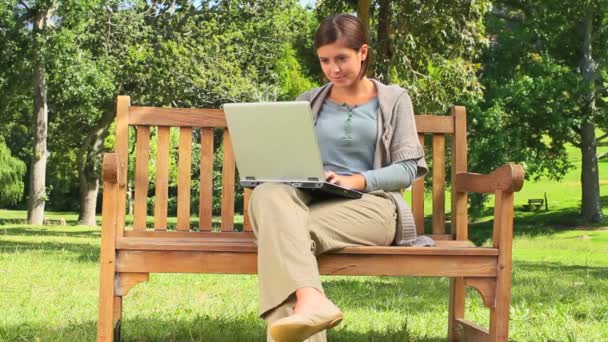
[(330, 175)]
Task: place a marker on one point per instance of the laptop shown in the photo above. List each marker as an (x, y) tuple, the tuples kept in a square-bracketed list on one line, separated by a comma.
[(275, 142)]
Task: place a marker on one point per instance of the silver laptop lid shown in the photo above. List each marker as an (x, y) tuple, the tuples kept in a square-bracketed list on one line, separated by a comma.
[(274, 141)]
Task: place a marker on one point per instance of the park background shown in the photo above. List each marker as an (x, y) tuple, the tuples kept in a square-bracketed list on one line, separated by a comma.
[(532, 74)]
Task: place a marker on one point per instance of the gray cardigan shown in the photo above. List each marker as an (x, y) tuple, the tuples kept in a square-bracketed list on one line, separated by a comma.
[(397, 140)]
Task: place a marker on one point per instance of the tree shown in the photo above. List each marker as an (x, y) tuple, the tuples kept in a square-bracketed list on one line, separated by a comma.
[(546, 72), (12, 171)]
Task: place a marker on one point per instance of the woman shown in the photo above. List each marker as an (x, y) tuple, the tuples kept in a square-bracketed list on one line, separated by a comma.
[(368, 140)]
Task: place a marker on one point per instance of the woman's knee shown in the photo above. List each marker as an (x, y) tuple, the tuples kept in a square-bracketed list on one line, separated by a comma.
[(269, 192)]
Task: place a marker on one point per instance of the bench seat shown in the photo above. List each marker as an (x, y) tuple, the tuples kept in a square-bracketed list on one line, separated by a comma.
[(218, 255)]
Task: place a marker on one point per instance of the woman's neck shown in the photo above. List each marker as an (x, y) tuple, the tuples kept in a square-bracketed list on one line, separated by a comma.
[(358, 92)]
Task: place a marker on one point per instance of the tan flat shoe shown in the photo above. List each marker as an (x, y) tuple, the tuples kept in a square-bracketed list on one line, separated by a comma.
[(299, 327)]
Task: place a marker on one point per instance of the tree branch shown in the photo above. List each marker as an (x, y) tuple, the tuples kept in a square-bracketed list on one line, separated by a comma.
[(602, 137), (25, 5)]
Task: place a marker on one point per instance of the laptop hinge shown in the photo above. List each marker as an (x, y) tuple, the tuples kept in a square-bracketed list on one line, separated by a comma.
[(313, 179), (249, 178)]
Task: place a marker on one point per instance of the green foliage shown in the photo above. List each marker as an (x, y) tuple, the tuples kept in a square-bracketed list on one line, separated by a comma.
[(12, 171)]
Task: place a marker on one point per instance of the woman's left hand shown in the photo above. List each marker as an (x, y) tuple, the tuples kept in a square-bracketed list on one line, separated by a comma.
[(355, 181)]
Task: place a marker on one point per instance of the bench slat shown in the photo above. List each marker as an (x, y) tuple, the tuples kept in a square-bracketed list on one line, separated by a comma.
[(228, 169), (434, 124), (418, 198), (191, 234), (445, 247), (162, 179), (206, 180), (329, 264), (177, 117), (246, 222), (183, 178), (142, 156), (438, 184)]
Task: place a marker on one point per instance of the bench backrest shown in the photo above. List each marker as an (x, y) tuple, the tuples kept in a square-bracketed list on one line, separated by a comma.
[(206, 120)]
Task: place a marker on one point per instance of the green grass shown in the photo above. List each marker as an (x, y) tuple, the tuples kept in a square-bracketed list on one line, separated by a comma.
[(49, 282), (49, 278)]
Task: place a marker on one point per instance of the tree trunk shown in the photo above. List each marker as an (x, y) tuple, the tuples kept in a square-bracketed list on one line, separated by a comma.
[(89, 162), (591, 209), (385, 53), (37, 191), (89, 187), (363, 7)]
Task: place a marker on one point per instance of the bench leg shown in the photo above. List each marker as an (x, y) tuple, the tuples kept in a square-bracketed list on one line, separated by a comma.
[(499, 315), (117, 318), (110, 310), (456, 306)]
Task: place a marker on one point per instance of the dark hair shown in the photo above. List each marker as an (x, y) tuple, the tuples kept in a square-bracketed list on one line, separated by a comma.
[(348, 30)]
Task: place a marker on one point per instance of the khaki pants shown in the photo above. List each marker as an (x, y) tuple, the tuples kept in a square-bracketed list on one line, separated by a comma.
[(292, 228)]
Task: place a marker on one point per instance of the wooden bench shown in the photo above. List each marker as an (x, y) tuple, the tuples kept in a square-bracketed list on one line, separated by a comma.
[(534, 204), (129, 254)]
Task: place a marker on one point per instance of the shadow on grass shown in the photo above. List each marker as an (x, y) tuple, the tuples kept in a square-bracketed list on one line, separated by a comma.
[(85, 252), (45, 231), (199, 328)]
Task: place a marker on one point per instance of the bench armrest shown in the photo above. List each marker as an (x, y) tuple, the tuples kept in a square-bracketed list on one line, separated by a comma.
[(507, 178), (110, 168)]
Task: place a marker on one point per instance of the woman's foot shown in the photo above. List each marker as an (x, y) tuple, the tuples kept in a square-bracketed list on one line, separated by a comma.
[(307, 321), (308, 300)]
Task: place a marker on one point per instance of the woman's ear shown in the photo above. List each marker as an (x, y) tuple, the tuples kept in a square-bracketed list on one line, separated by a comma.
[(363, 50)]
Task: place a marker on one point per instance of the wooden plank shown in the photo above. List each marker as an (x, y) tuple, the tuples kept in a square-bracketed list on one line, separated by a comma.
[(457, 297), (471, 332), (246, 222), (329, 264), (434, 124), (142, 156), (445, 237), (191, 235), (107, 261), (508, 178), (418, 198), (503, 240), (459, 220), (228, 174), (162, 179), (239, 245), (121, 147), (206, 180), (177, 117), (183, 178), (438, 184)]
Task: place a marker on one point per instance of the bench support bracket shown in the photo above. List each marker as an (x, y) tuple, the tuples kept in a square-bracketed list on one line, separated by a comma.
[(125, 281), (486, 288)]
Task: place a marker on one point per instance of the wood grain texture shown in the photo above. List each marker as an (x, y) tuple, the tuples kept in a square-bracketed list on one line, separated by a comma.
[(434, 124), (329, 264), (418, 198), (459, 220), (126, 281), (184, 171), (162, 179), (107, 256), (177, 117), (142, 156), (503, 233), (246, 221), (121, 147), (438, 184), (508, 178), (228, 174), (471, 332), (206, 180)]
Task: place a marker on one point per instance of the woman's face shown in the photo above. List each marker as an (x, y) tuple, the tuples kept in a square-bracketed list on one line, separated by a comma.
[(341, 64)]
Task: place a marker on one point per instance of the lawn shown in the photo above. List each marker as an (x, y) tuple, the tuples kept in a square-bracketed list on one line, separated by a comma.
[(49, 285)]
